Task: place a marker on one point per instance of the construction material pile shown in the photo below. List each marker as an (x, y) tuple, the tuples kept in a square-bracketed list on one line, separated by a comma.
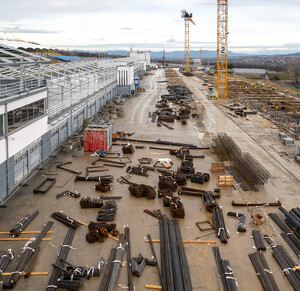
[(245, 166), (100, 231), (22, 224), (141, 190), (175, 272), (108, 211), (88, 202)]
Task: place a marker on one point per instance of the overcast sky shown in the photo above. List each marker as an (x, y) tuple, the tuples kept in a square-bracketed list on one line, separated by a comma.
[(254, 25)]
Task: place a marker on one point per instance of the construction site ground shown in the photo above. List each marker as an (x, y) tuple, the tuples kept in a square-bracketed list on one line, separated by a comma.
[(257, 136)]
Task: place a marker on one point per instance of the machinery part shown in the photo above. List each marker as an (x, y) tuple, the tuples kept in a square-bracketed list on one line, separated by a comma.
[(258, 218), (67, 147), (78, 152), (42, 189)]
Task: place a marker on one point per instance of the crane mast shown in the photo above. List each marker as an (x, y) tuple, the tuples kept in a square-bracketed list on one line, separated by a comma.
[(187, 19), (222, 48)]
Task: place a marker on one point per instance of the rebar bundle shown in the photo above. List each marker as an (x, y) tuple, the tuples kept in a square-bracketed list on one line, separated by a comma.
[(286, 263), (247, 168), (88, 202), (167, 182), (5, 258), (60, 261), (174, 266), (220, 227), (100, 231), (28, 250), (259, 243), (176, 206), (292, 219), (289, 237), (66, 220), (141, 190), (209, 200), (263, 272), (22, 224), (128, 256), (108, 211), (241, 217), (116, 264), (228, 280)]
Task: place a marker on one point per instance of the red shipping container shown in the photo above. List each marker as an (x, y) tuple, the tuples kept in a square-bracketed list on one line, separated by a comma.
[(96, 139)]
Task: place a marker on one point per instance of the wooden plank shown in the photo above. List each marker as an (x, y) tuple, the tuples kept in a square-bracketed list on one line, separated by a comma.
[(27, 232), (188, 241), (20, 238), (31, 274)]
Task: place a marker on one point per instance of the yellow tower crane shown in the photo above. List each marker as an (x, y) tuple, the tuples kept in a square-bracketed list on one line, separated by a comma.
[(201, 50), (187, 19), (222, 49)]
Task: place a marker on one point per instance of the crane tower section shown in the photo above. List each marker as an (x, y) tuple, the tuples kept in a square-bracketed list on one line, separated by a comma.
[(222, 49)]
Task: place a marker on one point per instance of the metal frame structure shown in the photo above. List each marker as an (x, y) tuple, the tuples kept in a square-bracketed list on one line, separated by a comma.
[(187, 19), (222, 48)]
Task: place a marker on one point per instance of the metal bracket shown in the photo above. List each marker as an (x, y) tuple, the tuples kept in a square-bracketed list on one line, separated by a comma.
[(203, 222)]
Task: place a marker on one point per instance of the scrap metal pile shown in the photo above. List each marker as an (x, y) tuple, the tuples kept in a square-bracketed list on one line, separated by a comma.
[(245, 166), (174, 105)]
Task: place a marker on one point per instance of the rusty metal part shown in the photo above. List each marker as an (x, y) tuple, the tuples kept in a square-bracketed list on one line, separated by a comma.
[(39, 189), (65, 169), (278, 203), (124, 179), (144, 161), (204, 222), (187, 191), (95, 169), (125, 158), (258, 218)]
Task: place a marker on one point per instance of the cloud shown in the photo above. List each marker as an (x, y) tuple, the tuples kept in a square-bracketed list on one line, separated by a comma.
[(17, 29), (171, 40), (125, 28)]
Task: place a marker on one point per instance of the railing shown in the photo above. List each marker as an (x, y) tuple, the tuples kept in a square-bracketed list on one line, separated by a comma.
[(12, 89)]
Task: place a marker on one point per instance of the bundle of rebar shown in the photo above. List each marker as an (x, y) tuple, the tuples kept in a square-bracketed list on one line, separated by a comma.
[(60, 261), (225, 271), (263, 272), (167, 182), (241, 217), (220, 227), (209, 200), (5, 258), (259, 243), (175, 273), (104, 186), (66, 220), (28, 250), (141, 190), (100, 231), (130, 285), (106, 178), (288, 236), (22, 224), (285, 262), (116, 264), (246, 167), (138, 170), (155, 213), (176, 206), (108, 211), (88, 202), (292, 219)]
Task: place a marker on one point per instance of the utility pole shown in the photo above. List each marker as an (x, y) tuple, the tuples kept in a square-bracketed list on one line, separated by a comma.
[(201, 50), (163, 57)]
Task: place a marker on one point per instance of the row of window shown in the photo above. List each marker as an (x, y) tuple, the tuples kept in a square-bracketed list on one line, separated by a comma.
[(22, 115)]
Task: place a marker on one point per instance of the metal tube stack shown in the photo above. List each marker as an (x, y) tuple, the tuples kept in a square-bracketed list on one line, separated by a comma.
[(22, 224), (174, 266)]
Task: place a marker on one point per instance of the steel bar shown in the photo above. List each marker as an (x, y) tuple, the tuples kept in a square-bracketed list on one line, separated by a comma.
[(39, 190), (29, 249), (66, 169), (61, 258), (259, 243), (265, 204), (66, 220), (31, 263), (5, 258), (22, 224), (106, 178), (128, 255), (107, 271), (241, 217), (164, 143), (117, 263), (155, 257)]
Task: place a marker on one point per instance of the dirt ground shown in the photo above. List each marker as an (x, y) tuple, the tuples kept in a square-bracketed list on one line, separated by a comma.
[(255, 137)]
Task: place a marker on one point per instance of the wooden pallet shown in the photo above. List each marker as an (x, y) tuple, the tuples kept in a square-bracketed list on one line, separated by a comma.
[(217, 167), (225, 181)]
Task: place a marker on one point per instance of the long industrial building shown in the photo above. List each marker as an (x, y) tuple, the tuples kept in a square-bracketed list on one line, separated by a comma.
[(43, 103)]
